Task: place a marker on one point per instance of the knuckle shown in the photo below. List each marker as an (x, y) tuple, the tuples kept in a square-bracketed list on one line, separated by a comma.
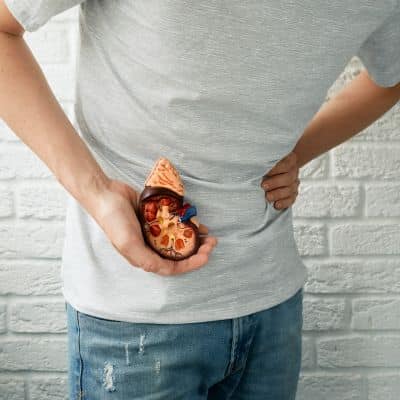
[(275, 182), (271, 184)]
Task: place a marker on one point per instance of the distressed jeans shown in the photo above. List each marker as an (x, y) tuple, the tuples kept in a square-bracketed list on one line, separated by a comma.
[(252, 357)]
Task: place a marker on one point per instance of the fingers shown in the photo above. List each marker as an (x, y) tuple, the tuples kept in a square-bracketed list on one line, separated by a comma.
[(281, 183), (150, 261), (203, 229), (196, 260), (207, 244), (284, 174), (283, 192), (284, 165), (283, 179), (170, 267), (284, 203)]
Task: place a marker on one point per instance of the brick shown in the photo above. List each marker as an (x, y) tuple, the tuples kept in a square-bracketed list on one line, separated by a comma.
[(35, 354), (22, 239), (48, 388), (59, 77), (310, 238), (12, 388), (41, 201), (386, 128), (316, 168), (331, 387), (38, 317), (6, 203), (380, 276), (351, 71), (384, 386), (359, 351), (361, 160), (308, 352), (324, 314), (365, 239), (6, 134), (376, 313), (29, 279), (22, 163), (327, 200), (382, 199), (51, 45)]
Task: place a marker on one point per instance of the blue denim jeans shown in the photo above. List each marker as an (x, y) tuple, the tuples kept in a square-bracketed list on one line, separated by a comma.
[(253, 357)]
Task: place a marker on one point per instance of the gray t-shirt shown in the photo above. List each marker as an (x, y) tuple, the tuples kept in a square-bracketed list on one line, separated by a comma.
[(223, 89)]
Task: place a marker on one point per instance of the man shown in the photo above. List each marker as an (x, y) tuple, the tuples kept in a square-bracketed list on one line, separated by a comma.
[(229, 92)]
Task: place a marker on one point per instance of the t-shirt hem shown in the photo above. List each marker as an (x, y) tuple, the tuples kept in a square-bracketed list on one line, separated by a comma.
[(188, 317)]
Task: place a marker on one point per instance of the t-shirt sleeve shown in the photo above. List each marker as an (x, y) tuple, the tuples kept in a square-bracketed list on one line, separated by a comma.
[(32, 14), (380, 52)]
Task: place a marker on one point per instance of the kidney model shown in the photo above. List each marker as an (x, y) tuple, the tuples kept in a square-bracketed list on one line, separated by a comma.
[(169, 225)]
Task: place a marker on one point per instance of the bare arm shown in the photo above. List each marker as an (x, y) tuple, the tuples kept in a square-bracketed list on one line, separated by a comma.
[(356, 106), (30, 109)]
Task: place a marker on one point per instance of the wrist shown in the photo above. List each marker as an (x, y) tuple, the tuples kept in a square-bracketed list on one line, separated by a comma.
[(88, 188), (299, 161)]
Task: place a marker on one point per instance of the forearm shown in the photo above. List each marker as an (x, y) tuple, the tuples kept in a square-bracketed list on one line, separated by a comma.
[(31, 110), (356, 106)]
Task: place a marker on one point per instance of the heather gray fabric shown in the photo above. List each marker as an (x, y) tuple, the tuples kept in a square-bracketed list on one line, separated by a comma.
[(224, 89)]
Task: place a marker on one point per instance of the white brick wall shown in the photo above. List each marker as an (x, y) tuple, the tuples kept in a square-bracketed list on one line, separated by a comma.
[(346, 221), (346, 226), (33, 341)]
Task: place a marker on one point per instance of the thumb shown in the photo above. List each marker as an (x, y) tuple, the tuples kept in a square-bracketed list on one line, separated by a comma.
[(133, 195)]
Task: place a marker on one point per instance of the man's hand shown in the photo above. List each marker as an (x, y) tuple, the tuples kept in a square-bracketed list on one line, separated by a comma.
[(281, 182), (116, 212)]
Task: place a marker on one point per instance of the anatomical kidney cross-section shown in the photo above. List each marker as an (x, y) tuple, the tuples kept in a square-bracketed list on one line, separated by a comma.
[(169, 225)]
